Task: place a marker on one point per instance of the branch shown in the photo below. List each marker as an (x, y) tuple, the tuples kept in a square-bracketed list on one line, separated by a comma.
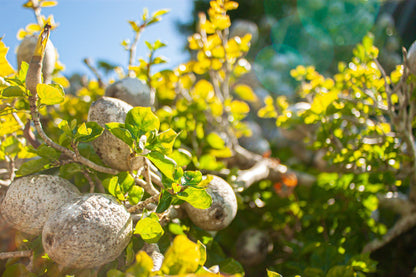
[(16, 254), (32, 80), (87, 62), (143, 204)]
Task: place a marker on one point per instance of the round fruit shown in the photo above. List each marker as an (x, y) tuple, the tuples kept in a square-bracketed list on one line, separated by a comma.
[(222, 210), (411, 58), (133, 91), (113, 151), (25, 53), (31, 199), (89, 231), (252, 247)]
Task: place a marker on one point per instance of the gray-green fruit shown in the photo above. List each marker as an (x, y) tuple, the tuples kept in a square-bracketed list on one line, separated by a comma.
[(222, 210), (133, 91), (252, 247), (31, 199), (25, 53), (113, 151), (89, 231)]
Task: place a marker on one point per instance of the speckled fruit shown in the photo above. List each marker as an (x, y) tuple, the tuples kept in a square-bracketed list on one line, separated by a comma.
[(222, 210), (411, 58), (25, 53), (89, 231), (31, 199), (133, 91), (113, 151), (252, 247)]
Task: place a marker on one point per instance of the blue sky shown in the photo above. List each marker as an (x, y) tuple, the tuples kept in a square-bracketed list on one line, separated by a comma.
[(95, 29)]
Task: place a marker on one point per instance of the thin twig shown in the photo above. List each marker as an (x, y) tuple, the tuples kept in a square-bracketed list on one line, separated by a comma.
[(143, 204), (16, 254), (88, 63)]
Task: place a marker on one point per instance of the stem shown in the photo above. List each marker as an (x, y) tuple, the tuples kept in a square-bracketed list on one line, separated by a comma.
[(143, 204), (87, 62), (16, 254), (133, 47), (33, 78)]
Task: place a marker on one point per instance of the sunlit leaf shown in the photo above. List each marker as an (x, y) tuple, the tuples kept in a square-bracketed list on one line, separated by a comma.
[(198, 198), (50, 94), (165, 164), (245, 92), (183, 256), (140, 120), (149, 229), (5, 68)]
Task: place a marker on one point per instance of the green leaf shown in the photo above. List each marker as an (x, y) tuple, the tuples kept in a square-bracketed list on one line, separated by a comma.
[(165, 164), (64, 126), (149, 229), (231, 266), (115, 273), (50, 94), (203, 252), (89, 131), (17, 270), (13, 91), (215, 141), (341, 271), (143, 265), (141, 120), (272, 274), (119, 130), (181, 156), (48, 152), (191, 178), (198, 198), (164, 142), (135, 194), (183, 256), (113, 187), (125, 180), (164, 201), (32, 166)]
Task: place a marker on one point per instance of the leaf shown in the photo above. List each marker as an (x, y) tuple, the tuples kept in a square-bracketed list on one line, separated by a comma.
[(181, 156), (215, 141), (164, 201), (17, 270), (119, 130), (245, 92), (231, 266), (165, 164), (115, 273), (5, 68), (32, 166), (134, 26), (272, 274), (191, 178), (198, 198), (182, 256), (64, 126), (164, 142), (113, 187), (50, 94), (89, 131), (160, 12), (135, 194), (149, 229), (141, 120), (143, 265), (203, 252), (126, 181), (48, 152), (45, 4), (13, 91)]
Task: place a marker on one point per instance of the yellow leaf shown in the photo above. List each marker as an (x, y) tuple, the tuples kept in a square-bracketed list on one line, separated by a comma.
[(45, 4), (5, 68), (50, 94), (245, 92), (62, 81), (231, 5), (238, 107), (32, 28), (182, 256), (203, 89)]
